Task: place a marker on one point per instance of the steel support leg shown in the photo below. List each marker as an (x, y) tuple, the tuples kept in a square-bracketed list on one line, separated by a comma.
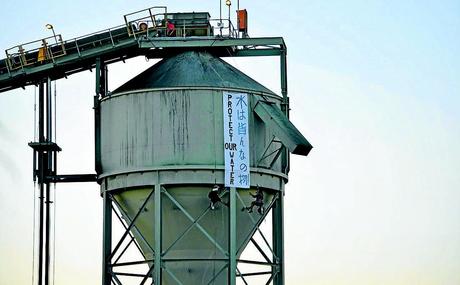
[(101, 91), (41, 176), (278, 239), (48, 165), (47, 233), (284, 105), (157, 233), (106, 240), (232, 238)]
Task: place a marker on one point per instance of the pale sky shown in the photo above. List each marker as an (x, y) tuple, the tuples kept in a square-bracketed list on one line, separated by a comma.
[(374, 86)]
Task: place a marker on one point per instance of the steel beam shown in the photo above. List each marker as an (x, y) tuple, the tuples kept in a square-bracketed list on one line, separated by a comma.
[(101, 89), (200, 228), (130, 235), (131, 225), (209, 42), (106, 239), (278, 240), (217, 274), (41, 173), (128, 220), (232, 247), (285, 105), (258, 52), (157, 235), (70, 178), (187, 230)]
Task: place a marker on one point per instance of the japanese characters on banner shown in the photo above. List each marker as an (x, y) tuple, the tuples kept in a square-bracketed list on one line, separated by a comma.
[(236, 140)]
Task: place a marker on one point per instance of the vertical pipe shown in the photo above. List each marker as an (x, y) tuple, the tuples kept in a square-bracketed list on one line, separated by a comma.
[(157, 235), (229, 22), (48, 162), (49, 112), (285, 104), (97, 135), (220, 11), (238, 17), (106, 239), (101, 83), (41, 138), (278, 238), (283, 73), (41, 112), (47, 232), (232, 238)]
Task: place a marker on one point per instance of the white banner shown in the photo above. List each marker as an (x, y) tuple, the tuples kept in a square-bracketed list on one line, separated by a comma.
[(236, 140)]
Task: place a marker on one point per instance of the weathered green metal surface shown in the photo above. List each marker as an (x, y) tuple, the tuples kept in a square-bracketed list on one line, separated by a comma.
[(283, 128), (164, 130), (195, 244), (192, 69)]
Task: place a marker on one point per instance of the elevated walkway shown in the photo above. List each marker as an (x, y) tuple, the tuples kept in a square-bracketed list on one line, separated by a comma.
[(159, 34)]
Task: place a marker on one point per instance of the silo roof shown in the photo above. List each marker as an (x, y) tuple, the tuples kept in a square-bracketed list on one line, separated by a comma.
[(192, 69)]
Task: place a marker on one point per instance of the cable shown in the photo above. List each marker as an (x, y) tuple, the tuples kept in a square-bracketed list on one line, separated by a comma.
[(55, 112), (54, 233), (35, 113), (54, 194), (33, 235), (35, 191)]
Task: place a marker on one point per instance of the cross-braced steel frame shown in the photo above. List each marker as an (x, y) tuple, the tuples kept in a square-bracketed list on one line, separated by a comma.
[(157, 268), (98, 58), (113, 268)]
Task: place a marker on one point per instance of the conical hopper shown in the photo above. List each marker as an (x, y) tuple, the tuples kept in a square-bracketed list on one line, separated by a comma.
[(194, 237)]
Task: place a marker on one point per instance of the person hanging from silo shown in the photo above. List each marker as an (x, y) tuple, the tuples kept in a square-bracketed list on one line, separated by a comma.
[(214, 197), (259, 202)]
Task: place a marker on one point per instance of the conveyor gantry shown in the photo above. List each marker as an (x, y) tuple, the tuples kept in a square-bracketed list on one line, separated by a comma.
[(60, 59)]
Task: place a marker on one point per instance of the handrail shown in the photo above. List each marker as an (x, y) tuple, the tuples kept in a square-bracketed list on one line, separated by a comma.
[(20, 56), (225, 25), (151, 16), (23, 56)]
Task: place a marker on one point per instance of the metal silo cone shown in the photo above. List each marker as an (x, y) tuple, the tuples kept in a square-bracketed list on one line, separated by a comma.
[(194, 238), (162, 139)]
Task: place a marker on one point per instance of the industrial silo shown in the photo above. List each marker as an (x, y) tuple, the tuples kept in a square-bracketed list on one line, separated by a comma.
[(162, 137)]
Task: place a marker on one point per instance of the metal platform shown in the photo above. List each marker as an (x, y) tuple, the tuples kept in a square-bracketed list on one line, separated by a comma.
[(55, 58)]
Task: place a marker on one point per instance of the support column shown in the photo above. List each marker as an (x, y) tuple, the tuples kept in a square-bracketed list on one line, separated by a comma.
[(278, 238), (232, 238), (106, 239), (48, 163), (157, 233), (100, 92), (285, 105), (41, 176)]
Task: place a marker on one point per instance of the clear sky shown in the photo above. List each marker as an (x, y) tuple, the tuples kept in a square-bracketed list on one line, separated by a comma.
[(374, 86)]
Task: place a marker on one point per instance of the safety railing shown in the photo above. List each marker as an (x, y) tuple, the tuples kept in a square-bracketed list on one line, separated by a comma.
[(39, 51), (111, 36), (147, 20), (224, 28), (151, 22)]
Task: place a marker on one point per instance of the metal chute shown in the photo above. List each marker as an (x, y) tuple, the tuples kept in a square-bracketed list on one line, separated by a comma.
[(283, 129)]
